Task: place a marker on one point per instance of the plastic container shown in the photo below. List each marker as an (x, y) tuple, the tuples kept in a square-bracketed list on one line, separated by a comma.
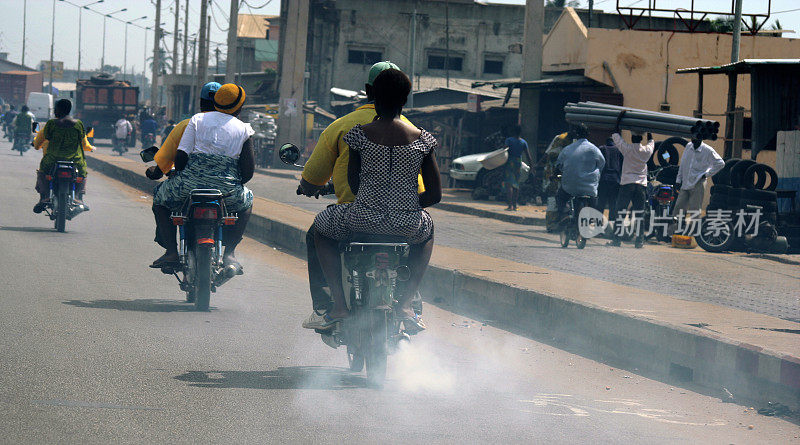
[(494, 159)]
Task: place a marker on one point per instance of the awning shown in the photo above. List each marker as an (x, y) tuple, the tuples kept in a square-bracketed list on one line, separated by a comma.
[(741, 67), (548, 81)]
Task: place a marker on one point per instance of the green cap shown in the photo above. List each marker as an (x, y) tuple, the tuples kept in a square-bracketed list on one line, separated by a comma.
[(378, 68)]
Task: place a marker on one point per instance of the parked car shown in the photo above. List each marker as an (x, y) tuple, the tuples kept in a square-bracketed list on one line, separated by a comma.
[(468, 168), (484, 173)]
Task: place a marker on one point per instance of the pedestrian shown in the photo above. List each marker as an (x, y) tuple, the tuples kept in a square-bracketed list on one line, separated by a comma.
[(699, 161), (632, 183), (609, 179), (516, 147)]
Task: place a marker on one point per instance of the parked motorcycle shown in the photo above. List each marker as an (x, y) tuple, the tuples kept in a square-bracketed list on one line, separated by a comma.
[(374, 270), (200, 225)]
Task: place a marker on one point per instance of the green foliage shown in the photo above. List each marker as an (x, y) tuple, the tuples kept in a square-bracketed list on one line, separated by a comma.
[(777, 25), (723, 24), (562, 3)]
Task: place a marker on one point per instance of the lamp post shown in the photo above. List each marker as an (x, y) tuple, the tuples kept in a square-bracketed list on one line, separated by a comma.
[(103, 58), (125, 64), (80, 28)]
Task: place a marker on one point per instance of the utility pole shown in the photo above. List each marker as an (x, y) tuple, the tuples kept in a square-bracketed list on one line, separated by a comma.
[(144, 64), (412, 54), (208, 45), (732, 80), (233, 25), (185, 37), (737, 32), (175, 37), (195, 100), (202, 58), (531, 70), (216, 55), (154, 99), (52, 45), (447, 40), (293, 62), (24, 34)]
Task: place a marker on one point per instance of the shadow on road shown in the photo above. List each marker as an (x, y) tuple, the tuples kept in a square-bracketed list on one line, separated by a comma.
[(28, 229), (293, 377), (140, 305)]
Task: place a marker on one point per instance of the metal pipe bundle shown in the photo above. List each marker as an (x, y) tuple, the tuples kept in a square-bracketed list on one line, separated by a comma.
[(597, 115)]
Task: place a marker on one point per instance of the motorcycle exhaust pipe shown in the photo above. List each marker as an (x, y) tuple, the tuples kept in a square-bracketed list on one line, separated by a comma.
[(224, 275), (403, 273)]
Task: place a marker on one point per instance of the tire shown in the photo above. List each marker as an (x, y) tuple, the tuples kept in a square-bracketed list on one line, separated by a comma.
[(668, 147), (723, 177), (580, 242), (720, 189), (202, 279), (376, 354), (756, 177), (760, 195), (737, 172), (563, 236), (102, 79), (721, 243), (668, 175), (61, 210), (766, 206)]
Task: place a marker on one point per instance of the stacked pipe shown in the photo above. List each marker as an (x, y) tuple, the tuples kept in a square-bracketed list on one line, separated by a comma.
[(597, 115)]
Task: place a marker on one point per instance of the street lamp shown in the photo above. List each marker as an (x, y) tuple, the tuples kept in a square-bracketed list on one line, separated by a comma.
[(80, 28), (103, 58), (125, 66)]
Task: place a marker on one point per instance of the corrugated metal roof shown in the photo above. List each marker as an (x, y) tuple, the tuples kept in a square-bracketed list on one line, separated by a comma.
[(547, 81), (742, 66), (254, 26)]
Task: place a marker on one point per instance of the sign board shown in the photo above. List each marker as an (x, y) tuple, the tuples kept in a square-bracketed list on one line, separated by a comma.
[(58, 69), (272, 110), (289, 107), (473, 103)]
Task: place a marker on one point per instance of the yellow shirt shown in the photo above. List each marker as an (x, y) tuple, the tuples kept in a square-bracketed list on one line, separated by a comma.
[(331, 154), (165, 156), (40, 142)]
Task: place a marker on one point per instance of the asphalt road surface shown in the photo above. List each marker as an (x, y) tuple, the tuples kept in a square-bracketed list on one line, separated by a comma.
[(98, 348)]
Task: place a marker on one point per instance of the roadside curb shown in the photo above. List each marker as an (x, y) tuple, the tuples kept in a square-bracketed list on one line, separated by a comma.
[(510, 217), (686, 354), (277, 174)]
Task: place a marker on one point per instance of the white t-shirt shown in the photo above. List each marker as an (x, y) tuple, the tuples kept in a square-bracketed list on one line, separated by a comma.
[(123, 128), (215, 133)]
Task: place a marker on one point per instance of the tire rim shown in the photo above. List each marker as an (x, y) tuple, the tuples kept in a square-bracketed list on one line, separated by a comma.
[(718, 240)]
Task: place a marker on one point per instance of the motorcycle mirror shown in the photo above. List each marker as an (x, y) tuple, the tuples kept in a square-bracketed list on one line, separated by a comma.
[(289, 153), (148, 154), (34, 126)]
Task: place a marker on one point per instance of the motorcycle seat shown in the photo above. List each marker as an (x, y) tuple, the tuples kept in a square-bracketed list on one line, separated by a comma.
[(358, 237)]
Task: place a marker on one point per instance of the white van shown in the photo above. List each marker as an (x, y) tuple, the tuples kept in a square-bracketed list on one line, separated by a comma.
[(41, 105)]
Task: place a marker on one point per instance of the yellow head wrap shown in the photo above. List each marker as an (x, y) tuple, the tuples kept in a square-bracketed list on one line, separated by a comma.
[(229, 98)]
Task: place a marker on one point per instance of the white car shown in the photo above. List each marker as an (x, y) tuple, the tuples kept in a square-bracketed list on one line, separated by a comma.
[(466, 168)]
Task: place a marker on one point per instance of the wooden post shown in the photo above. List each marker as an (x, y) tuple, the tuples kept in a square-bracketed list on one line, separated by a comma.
[(738, 132), (698, 112), (732, 78)]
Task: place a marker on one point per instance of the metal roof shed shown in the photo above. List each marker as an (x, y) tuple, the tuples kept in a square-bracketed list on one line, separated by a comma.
[(774, 98)]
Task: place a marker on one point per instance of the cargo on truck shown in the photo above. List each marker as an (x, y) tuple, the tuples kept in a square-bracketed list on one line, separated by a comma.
[(16, 86), (101, 100)]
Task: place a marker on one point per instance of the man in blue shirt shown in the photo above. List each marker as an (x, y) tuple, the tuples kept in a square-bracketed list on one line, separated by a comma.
[(149, 126), (516, 147), (580, 163)]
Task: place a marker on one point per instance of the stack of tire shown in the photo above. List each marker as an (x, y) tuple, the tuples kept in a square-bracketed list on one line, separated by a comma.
[(743, 183)]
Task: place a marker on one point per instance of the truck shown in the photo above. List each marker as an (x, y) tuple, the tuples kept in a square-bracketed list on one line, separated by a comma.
[(41, 105), (101, 100), (16, 86)]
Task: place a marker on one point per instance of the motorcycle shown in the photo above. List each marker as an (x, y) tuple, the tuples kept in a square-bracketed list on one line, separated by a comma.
[(661, 196), (23, 139), (374, 270), (148, 140), (200, 226), (62, 205)]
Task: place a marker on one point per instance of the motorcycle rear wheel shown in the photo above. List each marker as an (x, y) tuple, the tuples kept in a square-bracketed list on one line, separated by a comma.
[(61, 210), (580, 241), (563, 236), (376, 354), (355, 360), (202, 276)]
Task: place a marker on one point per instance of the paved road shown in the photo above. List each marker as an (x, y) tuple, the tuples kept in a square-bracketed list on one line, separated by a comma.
[(97, 348)]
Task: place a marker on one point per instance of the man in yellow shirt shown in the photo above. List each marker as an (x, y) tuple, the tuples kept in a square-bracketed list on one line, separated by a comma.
[(165, 156), (329, 161)]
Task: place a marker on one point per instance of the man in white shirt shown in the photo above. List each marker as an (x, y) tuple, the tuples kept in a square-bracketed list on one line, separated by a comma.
[(122, 129), (699, 161), (633, 181)]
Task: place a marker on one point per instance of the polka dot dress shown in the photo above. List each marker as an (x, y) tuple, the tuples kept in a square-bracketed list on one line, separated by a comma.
[(387, 202)]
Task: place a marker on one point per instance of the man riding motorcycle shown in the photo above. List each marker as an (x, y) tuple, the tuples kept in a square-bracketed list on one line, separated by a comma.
[(23, 125), (61, 139), (149, 129), (329, 161), (122, 129), (8, 118)]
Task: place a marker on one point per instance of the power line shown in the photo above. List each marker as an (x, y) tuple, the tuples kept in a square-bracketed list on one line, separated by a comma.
[(788, 10), (256, 7)]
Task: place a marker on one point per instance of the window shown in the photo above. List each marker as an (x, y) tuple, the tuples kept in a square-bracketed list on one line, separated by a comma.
[(492, 66), (364, 57), (437, 62)]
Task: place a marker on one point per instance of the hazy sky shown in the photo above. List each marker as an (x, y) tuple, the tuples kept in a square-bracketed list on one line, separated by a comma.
[(66, 23)]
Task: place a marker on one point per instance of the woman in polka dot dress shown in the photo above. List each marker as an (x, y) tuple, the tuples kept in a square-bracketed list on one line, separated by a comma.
[(386, 157)]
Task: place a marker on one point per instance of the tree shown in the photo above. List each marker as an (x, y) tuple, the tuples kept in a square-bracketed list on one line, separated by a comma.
[(777, 25), (723, 24)]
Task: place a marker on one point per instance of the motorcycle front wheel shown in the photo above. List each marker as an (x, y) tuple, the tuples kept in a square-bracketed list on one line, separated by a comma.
[(563, 236), (202, 276)]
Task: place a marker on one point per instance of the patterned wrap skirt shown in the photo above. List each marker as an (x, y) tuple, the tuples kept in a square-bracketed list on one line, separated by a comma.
[(512, 173), (205, 171), (340, 221)]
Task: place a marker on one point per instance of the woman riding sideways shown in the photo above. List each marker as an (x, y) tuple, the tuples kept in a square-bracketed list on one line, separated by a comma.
[(61, 139), (215, 152), (385, 159)]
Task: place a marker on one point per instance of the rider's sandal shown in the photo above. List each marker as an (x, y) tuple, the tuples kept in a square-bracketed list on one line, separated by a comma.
[(413, 325)]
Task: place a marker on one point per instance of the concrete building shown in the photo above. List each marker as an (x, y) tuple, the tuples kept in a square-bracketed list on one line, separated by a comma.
[(347, 36), (257, 42)]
